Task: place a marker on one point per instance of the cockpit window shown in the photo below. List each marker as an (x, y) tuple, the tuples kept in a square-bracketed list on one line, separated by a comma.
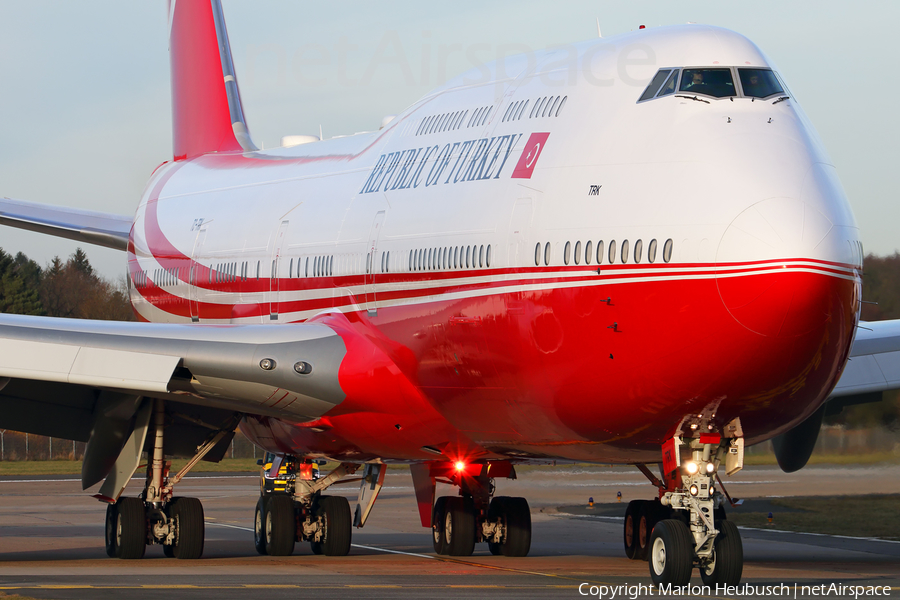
[(759, 83), (655, 84), (709, 82), (669, 86)]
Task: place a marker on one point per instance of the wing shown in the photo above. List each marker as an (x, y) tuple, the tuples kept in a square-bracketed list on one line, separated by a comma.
[(874, 364), (91, 227), (91, 380)]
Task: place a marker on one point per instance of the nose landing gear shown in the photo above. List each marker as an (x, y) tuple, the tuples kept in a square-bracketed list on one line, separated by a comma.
[(687, 526)]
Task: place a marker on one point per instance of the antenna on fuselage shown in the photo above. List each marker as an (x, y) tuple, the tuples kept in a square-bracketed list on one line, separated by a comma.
[(599, 35)]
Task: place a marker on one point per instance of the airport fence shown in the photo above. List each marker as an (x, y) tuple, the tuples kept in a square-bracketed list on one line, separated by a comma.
[(833, 439), (16, 446)]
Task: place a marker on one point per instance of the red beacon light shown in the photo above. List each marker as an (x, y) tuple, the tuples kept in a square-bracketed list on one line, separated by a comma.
[(460, 466), (642, 27)]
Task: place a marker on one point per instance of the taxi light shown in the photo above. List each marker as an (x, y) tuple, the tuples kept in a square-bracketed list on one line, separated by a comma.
[(710, 468), (694, 489), (460, 466), (691, 467)]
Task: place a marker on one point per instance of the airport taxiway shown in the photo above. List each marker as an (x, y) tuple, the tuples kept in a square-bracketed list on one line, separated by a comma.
[(51, 542)]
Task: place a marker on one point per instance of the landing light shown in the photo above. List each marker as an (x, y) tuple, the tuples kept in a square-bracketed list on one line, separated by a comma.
[(694, 489), (710, 468), (691, 467)]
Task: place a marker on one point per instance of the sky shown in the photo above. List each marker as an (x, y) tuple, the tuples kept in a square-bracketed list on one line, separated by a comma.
[(85, 103)]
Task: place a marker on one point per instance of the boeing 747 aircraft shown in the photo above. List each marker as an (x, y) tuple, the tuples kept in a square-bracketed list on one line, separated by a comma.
[(515, 269)]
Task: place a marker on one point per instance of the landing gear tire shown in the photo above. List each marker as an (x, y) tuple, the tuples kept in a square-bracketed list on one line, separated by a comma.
[(131, 528), (630, 529), (671, 553), (259, 526), (169, 551), (727, 563), (335, 511), (316, 547), (459, 526), (280, 526), (437, 525), (648, 516), (190, 530), (516, 516), (110, 530)]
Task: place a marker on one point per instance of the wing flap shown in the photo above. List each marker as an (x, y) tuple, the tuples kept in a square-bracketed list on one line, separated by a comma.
[(99, 367)]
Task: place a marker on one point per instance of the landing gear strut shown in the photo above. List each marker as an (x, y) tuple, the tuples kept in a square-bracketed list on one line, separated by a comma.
[(158, 517), (291, 507), (687, 526), (476, 515)]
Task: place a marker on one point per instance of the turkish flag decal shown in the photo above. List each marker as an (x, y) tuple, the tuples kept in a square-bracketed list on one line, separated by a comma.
[(530, 155)]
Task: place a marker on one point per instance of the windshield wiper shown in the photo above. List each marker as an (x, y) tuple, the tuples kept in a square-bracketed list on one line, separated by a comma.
[(692, 98), (782, 99)]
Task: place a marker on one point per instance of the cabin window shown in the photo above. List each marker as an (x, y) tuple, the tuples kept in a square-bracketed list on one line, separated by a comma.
[(624, 256), (667, 251), (487, 258), (547, 254), (638, 250), (561, 104), (537, 254), (486, 115), (577, 252), (522, 109), (567, 252), (587, 252), (612, 252), (600, 252), (552, 106), (481, 256)]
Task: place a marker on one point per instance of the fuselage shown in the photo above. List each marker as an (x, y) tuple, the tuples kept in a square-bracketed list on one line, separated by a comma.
[(552, 268)]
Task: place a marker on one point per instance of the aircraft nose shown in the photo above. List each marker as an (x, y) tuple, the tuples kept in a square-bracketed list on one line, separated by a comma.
[(783, 262)]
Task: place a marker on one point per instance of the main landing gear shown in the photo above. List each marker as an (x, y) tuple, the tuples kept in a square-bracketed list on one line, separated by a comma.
[(476, 515), (158, 517), (687, 526), (291, 507)]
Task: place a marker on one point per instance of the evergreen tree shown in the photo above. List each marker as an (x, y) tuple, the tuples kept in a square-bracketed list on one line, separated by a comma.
[(18, 292)]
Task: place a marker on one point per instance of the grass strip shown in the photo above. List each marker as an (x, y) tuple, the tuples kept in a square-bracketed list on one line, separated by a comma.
[(875, 515)]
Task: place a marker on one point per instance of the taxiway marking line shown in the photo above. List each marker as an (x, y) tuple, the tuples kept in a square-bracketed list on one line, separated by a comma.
[(440, 558), (176, 586)]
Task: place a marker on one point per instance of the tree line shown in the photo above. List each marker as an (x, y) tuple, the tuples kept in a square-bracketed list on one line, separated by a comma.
[(69, 289)]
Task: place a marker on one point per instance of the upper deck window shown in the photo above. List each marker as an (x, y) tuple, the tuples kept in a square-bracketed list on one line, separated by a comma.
[(709, 82), (759, 83)]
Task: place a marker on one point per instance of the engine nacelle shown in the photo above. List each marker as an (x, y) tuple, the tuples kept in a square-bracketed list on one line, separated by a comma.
[(793, 448)]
